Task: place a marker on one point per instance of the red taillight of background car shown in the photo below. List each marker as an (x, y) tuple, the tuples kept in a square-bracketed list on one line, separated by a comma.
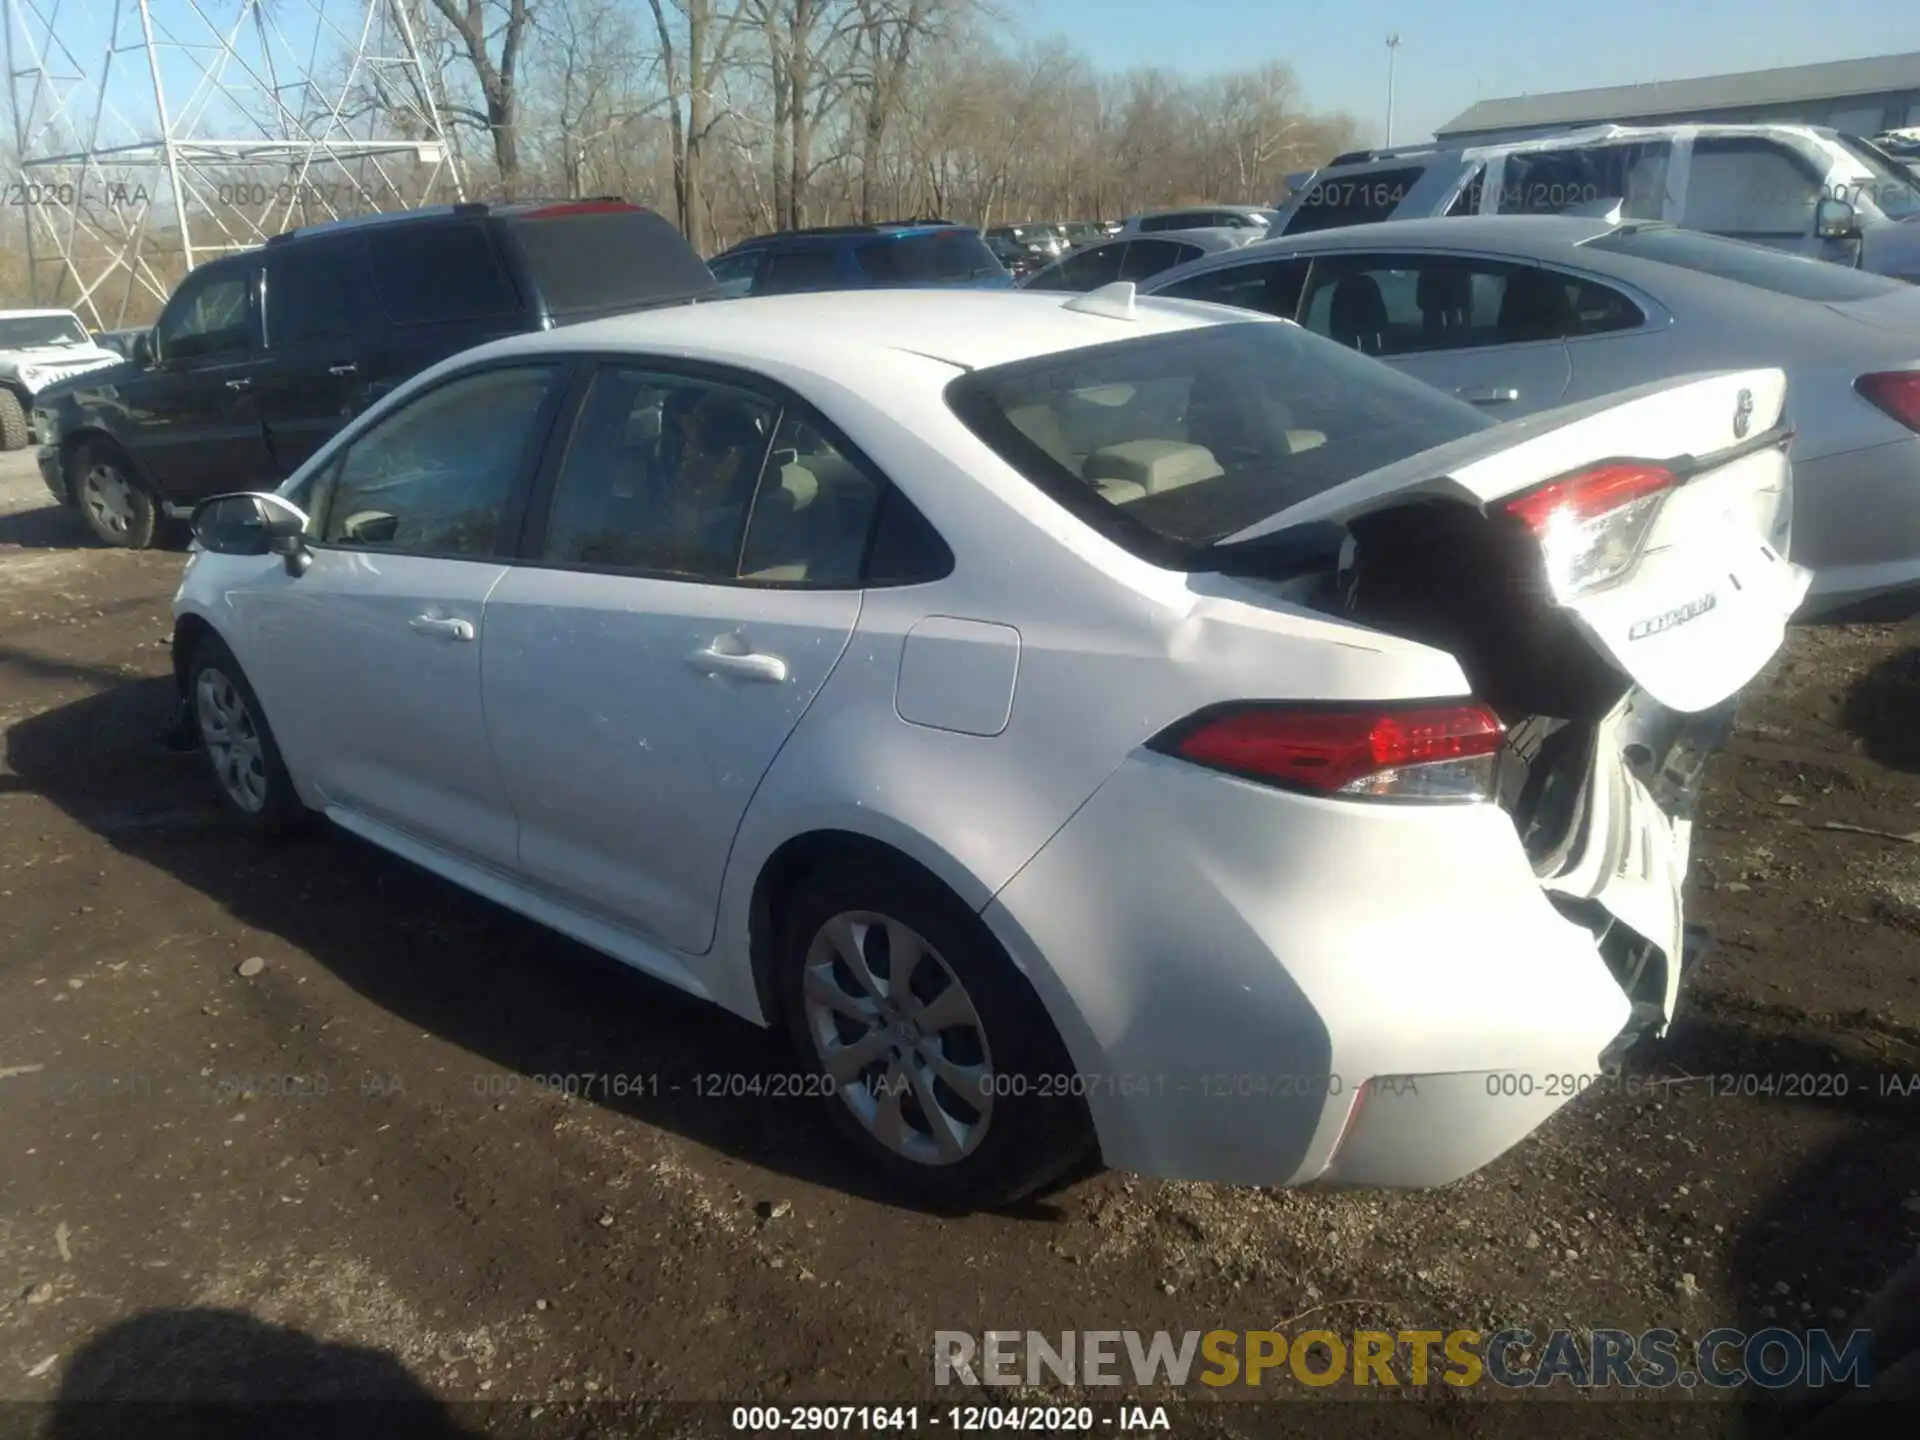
[(1591, 524), (1895, 391), (1403, 752)]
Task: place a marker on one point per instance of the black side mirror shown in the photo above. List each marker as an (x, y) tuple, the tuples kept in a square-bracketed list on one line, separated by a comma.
[(1836, 219), (253, 524)]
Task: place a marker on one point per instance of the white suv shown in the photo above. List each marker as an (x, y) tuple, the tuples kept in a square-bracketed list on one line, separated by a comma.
[(1802, 188), (38, 347)]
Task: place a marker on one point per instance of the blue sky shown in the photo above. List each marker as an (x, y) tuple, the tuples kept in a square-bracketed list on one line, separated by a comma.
[(1450, 55)]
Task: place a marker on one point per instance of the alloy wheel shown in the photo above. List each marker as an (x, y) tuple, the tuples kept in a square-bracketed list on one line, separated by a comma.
[(899, 1036), (232, 740)]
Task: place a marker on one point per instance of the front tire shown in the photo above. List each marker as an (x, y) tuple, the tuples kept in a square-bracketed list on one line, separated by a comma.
[(14, 430), (936, 1062), (248, 774), (117, 508)]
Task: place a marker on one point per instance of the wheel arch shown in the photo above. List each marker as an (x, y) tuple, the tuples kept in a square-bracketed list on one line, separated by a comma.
[(189, 629)]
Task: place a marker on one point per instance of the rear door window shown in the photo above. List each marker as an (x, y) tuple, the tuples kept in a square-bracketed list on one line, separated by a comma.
[(315, 291), (1088, 270), (1269, 286), (1149, 257), (1548, 182), (1362, 199), (945, 258), (1406, 304), (788, 271), (434, 272)]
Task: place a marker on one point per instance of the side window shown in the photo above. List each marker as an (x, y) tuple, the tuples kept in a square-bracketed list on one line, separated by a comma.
[(1547, 182), (799, 270), (1467, 202), (659, 475), (1271, 286), (439, 272), (314, 292), (1363, 199), (1406, 304), (1740, 186), (1088, 270), (210, 315), (907, 550), (1149, 257), (729, 268), (813, 513), (1159, 222), (434, 477)]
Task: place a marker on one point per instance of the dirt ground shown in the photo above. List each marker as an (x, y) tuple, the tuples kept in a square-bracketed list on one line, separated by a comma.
[(343, 1173)]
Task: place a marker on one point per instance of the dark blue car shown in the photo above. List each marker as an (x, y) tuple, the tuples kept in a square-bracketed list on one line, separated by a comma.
[(906, 254)]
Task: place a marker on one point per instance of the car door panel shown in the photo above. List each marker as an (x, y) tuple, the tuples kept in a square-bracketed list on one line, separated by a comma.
[(634, 717), (194, 427), (316, 295), (374, 689), (369, 660)]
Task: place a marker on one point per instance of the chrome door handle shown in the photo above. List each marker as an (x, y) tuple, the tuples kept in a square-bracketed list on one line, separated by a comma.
[(770, 669), (434, 625), (240, 384), (1488, 394), (348, 369)]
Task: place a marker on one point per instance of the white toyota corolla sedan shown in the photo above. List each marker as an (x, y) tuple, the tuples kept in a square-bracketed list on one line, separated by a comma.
[(1091, 721)]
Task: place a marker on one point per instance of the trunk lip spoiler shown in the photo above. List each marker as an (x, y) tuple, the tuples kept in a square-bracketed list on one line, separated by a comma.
[(1683, 468)]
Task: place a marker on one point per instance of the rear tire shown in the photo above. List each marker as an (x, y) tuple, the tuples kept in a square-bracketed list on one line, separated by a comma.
[(117, 508), (249, 776), (14, 430), (934, 1059)]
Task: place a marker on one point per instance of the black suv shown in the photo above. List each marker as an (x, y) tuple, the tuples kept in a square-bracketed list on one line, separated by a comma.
[(259, 357)]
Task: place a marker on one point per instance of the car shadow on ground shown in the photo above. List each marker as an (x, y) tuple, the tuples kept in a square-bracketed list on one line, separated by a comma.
[(194, 1373), (1882, 710), (527, 1001), (50, 527), (1819, 1250)]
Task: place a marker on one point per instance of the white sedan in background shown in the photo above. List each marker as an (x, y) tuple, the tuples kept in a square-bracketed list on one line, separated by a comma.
[(1110, 722)]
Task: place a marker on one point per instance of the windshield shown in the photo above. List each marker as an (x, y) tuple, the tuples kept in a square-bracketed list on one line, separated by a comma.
[(1777, 270), (1170, 442), (25, 332), (1893, 188), (947, 257)]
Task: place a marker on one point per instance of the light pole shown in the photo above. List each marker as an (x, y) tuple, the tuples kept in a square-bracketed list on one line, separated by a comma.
[(1393, 44)]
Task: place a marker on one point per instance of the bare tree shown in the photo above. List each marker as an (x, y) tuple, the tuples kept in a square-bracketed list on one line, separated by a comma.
[(893, 36), (492, 35), (696, 43)]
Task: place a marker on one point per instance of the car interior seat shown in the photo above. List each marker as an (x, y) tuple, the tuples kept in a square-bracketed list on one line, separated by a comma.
[(1357, 316)]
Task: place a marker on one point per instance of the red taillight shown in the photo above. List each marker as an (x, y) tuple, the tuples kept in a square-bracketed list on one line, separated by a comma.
[(1590, 494), (1895, 391), (1591, 524), (1410, 752)]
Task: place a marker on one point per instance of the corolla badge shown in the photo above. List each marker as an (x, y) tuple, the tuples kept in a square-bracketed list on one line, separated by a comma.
[(1742, 414)]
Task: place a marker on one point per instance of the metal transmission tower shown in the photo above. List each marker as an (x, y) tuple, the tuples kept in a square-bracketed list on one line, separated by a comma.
[(153, 134)]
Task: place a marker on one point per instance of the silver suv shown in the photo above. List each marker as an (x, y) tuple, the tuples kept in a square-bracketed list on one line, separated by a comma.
[(1803, 188)]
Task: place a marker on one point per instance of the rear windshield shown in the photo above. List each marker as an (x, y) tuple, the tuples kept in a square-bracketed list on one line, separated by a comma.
[(608, 259), (1363, 199), (1776, 270), (942, 258), (1170, 442)]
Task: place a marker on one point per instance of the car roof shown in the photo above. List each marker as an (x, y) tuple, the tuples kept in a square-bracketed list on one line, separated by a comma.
[(835, 235), (36, 314), (841, 330)]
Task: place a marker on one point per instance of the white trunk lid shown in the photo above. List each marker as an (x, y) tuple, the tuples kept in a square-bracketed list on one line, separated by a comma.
[(1705, 604)]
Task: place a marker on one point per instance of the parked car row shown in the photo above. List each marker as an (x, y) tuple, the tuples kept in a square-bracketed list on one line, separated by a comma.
[(1809, 189), (1032, 684)]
